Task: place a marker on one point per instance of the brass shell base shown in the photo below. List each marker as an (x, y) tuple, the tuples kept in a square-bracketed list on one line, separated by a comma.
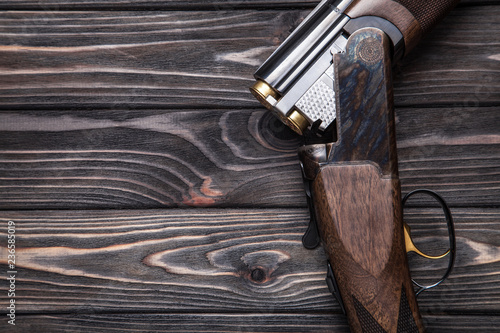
[(295, 120)]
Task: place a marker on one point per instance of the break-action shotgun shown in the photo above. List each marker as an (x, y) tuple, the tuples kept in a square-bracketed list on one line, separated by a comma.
[(331, 82)]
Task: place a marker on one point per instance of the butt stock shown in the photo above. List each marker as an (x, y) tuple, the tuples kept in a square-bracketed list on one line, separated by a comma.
[(355, 192)]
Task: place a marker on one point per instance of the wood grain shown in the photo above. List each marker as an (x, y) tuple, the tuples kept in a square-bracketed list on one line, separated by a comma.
[(147, 158), (446, 86), (171, 4), (169, 59), (275, 322), (154, 158), (445, 144), (166, 260), (204, 322), (136, 59), (201, 260)]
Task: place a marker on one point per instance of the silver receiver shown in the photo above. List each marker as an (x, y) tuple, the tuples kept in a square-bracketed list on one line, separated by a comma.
[(297, 81)]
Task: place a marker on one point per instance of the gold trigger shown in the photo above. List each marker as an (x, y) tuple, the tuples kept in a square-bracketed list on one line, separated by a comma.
[(411, 247)]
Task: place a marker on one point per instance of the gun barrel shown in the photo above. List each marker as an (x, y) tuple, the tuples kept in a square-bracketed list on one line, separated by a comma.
[(296, 81), (303, 46)]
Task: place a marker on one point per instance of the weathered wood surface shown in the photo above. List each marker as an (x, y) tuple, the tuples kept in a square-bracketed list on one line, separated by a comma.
[(124, 106), (263, 322), (243, 260), (154, 158), (173, 4), (169, 59)]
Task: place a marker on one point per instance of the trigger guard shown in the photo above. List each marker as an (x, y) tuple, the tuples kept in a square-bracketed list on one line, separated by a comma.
[(451, 236)]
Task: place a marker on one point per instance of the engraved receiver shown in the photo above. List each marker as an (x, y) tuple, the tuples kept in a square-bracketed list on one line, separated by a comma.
[(296, 81)]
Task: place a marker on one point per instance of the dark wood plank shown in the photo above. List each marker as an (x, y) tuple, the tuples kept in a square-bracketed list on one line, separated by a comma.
[(153, 4), (263, 322), (153, 158), (165, 260), (173, 4), (443, 68), (147, 159), (230, 260), (136, 59), (451, 324), (167, 59), (454, 151)]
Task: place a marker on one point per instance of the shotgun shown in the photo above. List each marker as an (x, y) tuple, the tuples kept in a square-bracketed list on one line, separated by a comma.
[(331, 82)]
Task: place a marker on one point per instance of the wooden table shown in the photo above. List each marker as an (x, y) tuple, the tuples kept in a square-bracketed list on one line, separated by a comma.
[(151, 192)]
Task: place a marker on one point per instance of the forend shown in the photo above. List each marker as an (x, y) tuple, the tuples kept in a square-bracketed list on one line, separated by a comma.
[(297, 81)]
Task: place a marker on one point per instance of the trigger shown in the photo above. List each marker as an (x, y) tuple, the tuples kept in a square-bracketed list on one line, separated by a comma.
[(411, 247), (311, 238)]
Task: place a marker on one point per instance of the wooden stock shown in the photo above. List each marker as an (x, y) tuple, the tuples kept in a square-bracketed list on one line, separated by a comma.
[(359, 214), (356, 193)]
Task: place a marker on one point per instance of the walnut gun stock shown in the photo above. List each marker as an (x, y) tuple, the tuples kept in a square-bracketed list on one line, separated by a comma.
[(331, 81)]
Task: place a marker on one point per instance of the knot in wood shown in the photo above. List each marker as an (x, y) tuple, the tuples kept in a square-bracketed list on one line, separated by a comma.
[(258, 275), (276, 134)]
